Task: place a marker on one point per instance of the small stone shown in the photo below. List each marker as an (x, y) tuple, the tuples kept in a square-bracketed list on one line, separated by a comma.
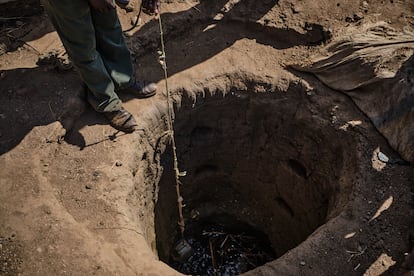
[(88, 186), (358, 16), (118, 163), (349, 19), (296, 9), (134, 19), (364, 7), (302, 263), (128, 9), (194, 214)]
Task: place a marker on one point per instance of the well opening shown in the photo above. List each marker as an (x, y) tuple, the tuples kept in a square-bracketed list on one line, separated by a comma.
[(270, 161)]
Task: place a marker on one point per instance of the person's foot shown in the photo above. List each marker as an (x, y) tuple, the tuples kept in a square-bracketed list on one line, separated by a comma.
[(121, 120), (141, 89), (122, 3)]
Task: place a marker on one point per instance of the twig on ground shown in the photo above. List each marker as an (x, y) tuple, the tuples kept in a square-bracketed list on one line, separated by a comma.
[(8, 31), (205, 233), (224, 242), (356, 253), (118, 228), (248, 260), (51, 111), (11, 18), (193, 7), (213, 261), (30, 46)]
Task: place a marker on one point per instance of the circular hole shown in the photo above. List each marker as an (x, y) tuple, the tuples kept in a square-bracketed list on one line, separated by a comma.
[(272, 162)]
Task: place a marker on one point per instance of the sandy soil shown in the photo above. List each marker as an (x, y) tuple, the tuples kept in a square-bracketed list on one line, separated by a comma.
[(78, 198)]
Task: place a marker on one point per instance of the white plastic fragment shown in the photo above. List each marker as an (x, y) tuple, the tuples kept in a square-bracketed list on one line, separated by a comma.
[(382, 157)]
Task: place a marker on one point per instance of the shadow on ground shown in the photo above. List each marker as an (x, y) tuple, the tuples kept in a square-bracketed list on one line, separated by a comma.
[(197, 34), (36, 97)]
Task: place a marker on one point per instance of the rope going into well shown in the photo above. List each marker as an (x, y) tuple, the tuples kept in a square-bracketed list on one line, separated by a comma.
[(170, 120)]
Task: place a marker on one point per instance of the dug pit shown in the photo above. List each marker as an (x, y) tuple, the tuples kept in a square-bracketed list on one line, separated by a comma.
[(261, 163)]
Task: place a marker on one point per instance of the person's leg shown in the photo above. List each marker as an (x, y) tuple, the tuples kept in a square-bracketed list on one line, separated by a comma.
[(74, 24), (111, 46), (116, 56)]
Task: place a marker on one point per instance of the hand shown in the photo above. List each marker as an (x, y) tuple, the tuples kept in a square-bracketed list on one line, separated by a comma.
[(102, 5), (151, 7)]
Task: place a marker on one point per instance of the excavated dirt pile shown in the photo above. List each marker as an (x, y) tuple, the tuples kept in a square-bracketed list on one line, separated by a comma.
[(293, 123)]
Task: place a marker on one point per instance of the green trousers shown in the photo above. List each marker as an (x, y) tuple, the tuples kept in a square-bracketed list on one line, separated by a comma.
[(96, 47)]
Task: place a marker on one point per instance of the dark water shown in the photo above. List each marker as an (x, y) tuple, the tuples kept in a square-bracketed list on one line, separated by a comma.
[(235, 249)]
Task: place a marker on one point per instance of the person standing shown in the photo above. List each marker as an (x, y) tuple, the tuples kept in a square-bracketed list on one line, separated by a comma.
[(92, 36)]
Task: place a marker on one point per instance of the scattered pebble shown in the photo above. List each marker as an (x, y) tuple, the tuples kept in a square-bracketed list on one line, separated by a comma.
[(296, 9), (96, 174), (134, 19), (365, 4)]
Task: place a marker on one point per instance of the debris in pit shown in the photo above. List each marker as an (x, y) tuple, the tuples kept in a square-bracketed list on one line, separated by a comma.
[(221, 250)]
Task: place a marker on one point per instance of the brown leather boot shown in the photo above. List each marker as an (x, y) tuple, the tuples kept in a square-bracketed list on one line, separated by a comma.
[(141, 89), (121, 120)]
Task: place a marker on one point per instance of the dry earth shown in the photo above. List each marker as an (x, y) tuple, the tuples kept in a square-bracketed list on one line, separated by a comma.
[(298, 159)]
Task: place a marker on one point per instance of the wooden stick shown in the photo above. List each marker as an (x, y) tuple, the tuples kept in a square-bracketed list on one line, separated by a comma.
[(212, 257)]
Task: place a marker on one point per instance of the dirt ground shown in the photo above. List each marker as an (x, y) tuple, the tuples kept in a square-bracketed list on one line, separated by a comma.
[(79, 198)]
